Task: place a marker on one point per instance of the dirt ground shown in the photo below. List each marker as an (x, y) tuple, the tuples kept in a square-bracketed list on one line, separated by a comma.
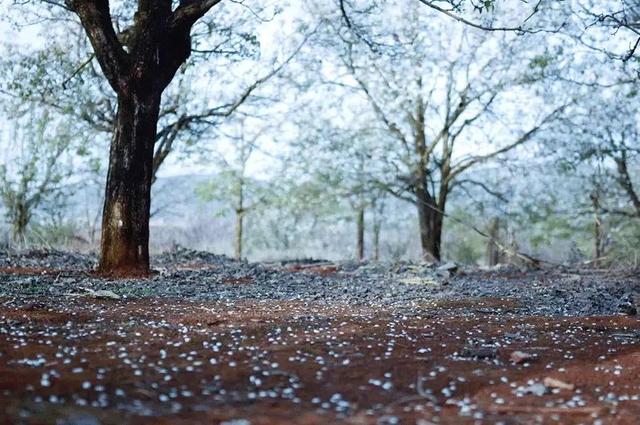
[(86, 360)]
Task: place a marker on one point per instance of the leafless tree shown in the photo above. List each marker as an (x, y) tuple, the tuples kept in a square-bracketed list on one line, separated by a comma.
[(431, 103)]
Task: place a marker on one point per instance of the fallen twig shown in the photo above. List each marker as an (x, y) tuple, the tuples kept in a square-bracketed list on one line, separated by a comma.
[(546, 410)]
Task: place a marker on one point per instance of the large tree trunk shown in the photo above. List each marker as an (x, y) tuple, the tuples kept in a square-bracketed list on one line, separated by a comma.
[(360, 234), (430, 225), (435, 240), (21, 218), (139, 63), (125, 219)]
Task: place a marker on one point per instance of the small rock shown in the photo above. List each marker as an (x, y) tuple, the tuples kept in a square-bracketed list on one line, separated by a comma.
[(102, 294), (536, 389), (448, 267), (35, 305), (79, 418), (518, 357), (479, 352), (627, 305)]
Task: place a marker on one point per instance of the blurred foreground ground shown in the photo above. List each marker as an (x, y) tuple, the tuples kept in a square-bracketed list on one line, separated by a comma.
[(211, 340)]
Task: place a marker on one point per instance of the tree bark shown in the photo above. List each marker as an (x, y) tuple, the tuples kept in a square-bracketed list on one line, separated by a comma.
[(493, 252), (239, 232), (429, 217), (20, 222), (378, 211), (435, 240), (624, 179), (514, 248), (597, 229), (360, 234), (376, 241), (430, 225), (125, 219), (139, 63)]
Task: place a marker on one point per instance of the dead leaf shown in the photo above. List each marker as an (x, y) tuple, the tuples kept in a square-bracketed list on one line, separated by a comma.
[(418, 281), (518, 357), (555, 383), (102, 294)]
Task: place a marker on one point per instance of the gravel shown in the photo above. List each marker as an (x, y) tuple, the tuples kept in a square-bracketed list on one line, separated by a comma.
[(187, 274)]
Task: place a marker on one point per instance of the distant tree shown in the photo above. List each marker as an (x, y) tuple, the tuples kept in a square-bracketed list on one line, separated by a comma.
[(586, 181), (378, 208), (435, 105), (33, 173), (303, 212), (233, 184), (493, 252), (606, 136), (345, 163)]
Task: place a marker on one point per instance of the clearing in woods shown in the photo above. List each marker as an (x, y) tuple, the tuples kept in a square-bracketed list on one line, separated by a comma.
[(211, 340)]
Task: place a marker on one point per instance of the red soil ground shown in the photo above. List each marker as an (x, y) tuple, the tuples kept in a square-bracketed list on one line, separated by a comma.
[(158, 361)]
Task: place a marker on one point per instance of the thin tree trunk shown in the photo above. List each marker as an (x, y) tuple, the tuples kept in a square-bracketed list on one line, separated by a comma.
[(424, 224), (493, 252), (597, 229), (125, 219), (514, 248), (376, 241), (360, 234), (378, 211), (239, 232)]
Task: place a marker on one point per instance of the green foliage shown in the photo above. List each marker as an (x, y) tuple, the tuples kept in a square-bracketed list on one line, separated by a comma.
[(459, 243), (488, 5), (544, 231), (225, 187), (622, 249), (54, 233), (33, 173), (540, 61)]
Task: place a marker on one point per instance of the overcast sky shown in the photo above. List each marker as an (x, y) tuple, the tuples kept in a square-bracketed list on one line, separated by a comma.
[(271, 35)]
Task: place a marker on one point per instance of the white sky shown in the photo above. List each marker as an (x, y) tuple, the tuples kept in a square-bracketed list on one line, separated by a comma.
[(270, 34)]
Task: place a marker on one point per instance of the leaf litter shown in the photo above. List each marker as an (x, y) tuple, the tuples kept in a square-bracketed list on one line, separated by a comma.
[(211, 340)]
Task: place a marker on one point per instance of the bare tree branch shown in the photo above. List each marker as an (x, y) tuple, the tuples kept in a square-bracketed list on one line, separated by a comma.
[(469, 162), (189, 11), (96, 19), (519, 29), (624, 179)]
